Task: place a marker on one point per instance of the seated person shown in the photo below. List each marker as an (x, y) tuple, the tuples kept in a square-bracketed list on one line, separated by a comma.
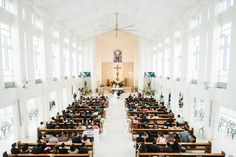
[(62, 137), (37, 149), (185, 136), (140, 138), (171, 137), (186, 126), (57, 126), (155, 116), (55, 149), (161, 139), (76, 139), (62, 149), (168, 148), (153, 147), (73, 149), (43, 138), (53, 139), (144, 125), (150, 138), (95, 126), (86, 140), (176, 147), (50, 125), (25, 149), (88, 132), (83, 149), (179, 119), (142, 148), (14, 150), (45, 148), (155, 125), (42, 125)]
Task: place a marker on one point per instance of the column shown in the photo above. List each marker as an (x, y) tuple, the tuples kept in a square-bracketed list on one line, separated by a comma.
[(1, 68)]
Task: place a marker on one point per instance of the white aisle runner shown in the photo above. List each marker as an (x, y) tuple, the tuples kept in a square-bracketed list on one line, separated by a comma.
[(115, 141)]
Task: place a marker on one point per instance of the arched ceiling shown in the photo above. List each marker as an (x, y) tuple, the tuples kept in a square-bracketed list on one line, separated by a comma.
[(86, 18)]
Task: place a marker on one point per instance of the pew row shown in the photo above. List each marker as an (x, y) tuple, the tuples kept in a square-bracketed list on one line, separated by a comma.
[(43, 131), (21, 144), (222, 154), (205, 147), (45, 155)]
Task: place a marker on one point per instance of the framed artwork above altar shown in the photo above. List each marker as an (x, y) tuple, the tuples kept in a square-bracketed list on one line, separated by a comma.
[(117, 56)]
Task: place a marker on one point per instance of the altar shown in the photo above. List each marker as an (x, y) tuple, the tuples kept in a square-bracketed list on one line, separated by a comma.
[(117, 73), (117, 89)]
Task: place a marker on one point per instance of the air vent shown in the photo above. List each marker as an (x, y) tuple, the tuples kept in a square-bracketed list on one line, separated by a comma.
[(38, 81), (222, 85), (178, 79), (194, 81), (10, 85)]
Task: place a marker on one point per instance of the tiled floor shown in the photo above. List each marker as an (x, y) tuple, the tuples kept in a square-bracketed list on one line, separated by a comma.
[(115, 141)]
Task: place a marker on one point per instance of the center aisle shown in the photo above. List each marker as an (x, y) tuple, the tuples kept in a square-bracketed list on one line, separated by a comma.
[(115, 141)]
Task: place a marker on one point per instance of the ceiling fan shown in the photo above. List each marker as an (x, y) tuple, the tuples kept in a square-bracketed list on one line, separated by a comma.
[(117, 29)]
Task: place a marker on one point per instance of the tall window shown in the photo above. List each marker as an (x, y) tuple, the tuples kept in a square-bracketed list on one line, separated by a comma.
[(66, 62), (167, 62), (6, 115), (73, 60), (195, 57), (177, 58), (26, 56), (160, 64), (224, 52), (7, 55), (37, 58), (159, 59), (80, 63), (154, 60), (197, 21), (54, 33), (36, 22), (55, 61), (178, 32), (227, 4), (5, 4)]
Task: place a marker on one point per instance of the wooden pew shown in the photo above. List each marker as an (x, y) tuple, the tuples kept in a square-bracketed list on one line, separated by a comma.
[(198, 146), (159, 114), (31, 145), (222, 154), (156, 131), (40, 131), (21, 144), (149, 112), (48, 155)]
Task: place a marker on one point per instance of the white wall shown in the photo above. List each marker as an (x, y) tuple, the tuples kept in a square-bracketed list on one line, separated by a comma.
[(89, 60), (107, 43), (145, 60), (22, 73), (207, 70)]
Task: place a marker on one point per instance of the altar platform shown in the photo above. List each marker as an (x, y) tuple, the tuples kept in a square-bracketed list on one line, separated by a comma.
[(116, 89), (127, 89)]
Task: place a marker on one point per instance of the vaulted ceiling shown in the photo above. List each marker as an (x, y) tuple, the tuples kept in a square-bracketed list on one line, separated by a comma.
[(87, 18)]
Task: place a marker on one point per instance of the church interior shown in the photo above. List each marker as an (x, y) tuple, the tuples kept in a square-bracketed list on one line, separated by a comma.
[(121, 78)]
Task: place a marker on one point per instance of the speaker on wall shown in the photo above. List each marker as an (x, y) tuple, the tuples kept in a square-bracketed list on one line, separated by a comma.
[(19, 111), (210, 113)]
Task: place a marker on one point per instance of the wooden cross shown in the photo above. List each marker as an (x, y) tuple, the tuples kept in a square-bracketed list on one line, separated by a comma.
[(117, 72)]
